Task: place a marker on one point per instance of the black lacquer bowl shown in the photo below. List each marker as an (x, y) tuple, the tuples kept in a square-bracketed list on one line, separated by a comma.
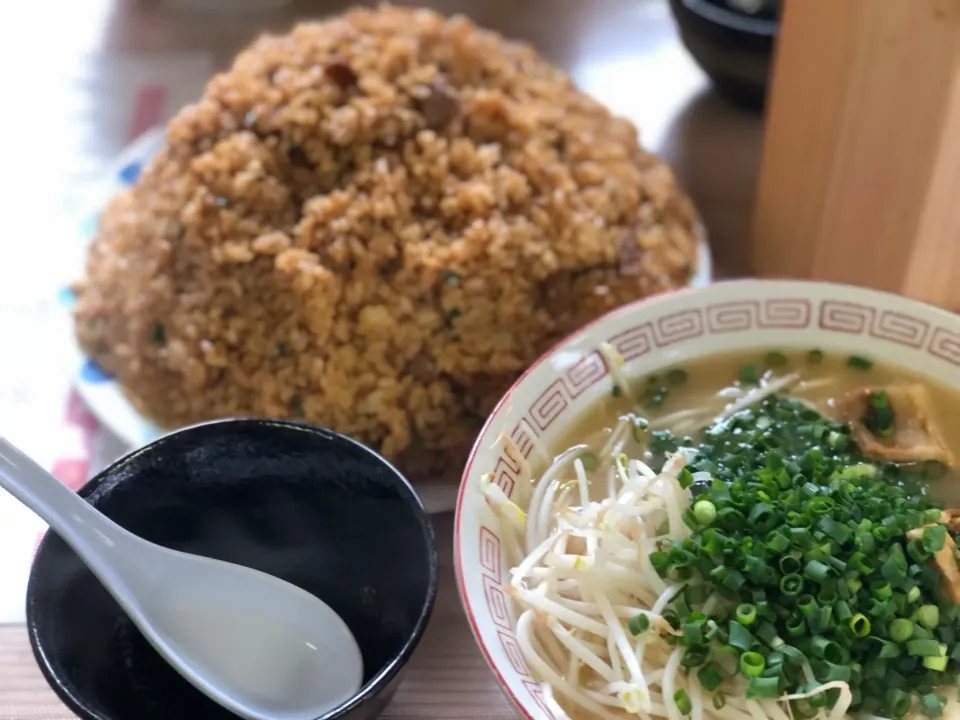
[(305, 504), (734, 48)]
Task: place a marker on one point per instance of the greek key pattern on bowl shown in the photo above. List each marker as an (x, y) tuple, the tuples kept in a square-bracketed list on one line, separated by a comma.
[(774, 314), (945, 344), (497, 606), (536, 692), (688, 325), (896, 327), (497, 602)]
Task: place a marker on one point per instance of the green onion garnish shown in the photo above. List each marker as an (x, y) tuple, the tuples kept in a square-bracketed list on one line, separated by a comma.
[(928, 616), (860, 625), (705, 512), (763, 687), (749, 375), (752, 664), (638, 624), (682, 702), (710, 676), (879, 418), (746, 614), (803, 542), (923, 648), (934, 537), (740, 637), (859, 363)]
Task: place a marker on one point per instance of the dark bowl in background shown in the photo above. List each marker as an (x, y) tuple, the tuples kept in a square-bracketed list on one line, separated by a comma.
[(734, 48), (305, 504)]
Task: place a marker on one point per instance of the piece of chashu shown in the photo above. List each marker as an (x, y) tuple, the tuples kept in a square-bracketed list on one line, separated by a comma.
[(915, 437), (947, 558)]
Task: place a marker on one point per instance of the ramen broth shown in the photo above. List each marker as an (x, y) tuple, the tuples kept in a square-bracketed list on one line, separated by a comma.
[(702, 388)]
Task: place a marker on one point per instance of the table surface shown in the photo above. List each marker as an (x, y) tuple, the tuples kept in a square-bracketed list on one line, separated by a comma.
[(624, 52)]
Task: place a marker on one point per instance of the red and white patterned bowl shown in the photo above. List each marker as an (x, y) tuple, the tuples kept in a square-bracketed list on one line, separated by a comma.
[(650, 335)]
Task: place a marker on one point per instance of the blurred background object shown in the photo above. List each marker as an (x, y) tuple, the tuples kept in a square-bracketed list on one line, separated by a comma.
[(225, 6), (732, 40)]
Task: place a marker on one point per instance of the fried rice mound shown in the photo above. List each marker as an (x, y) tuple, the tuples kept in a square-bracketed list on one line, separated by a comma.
[(374, 224)]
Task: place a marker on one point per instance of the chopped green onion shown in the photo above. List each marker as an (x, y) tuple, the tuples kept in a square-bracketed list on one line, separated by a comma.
[(719, 701), (763, 687), (923, 648), (932, 515), (752, 664), (928, 616), (931, 706), (879, 418), (749, 375), (693, 658), (816, 571), (899, 702), (638, 624), (802, 546), (936, 662), (841, 610), (859, 562), (790, 564), (860, 625), (808, 606), (796, 625), (826, 649), (682, 702), (934, 537), (888, 650), (746, 614), (740, 638), (791, 585), (777, 542), (815, 357), (705, 512), (859, 363), (710, 676)]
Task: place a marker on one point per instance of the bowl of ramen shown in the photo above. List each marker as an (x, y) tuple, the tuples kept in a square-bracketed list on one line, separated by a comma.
[(735, 502)]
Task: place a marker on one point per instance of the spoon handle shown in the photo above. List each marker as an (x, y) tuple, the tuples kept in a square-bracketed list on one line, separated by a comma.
[(93, 536)]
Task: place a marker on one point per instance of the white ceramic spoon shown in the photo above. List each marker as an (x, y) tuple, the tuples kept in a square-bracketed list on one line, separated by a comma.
[(255, 644)]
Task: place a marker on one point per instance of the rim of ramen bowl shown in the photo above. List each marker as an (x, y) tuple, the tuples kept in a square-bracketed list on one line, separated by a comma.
[(645, 303)]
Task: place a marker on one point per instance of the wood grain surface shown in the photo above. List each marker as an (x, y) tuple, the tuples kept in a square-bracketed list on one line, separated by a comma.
[(624, 52), (864, 189)]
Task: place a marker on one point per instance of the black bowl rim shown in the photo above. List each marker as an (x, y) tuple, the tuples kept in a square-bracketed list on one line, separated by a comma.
[(368, 691), (730, 19)]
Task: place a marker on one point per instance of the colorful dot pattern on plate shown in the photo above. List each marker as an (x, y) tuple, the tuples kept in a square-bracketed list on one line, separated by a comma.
[(724, 317), (98, 388)]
